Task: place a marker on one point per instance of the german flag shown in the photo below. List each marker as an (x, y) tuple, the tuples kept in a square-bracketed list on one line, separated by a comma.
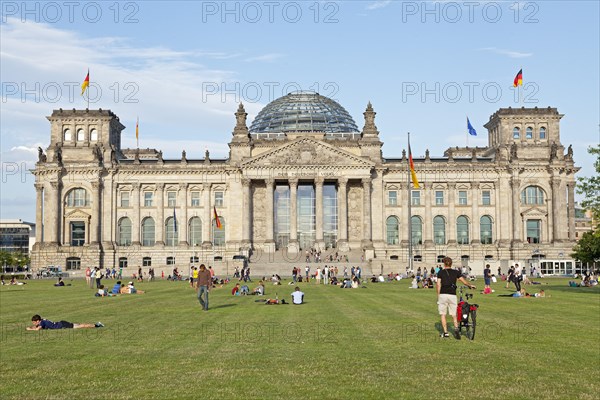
[(217, 220), (137, 128), (413, 174), (86, 83), (518, 79)]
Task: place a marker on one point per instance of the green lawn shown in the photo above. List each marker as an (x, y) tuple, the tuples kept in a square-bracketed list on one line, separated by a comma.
[(378, 342)]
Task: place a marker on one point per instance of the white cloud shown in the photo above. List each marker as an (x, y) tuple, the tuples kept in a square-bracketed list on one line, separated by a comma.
[(378, 4), (509, 53), (265, 58)]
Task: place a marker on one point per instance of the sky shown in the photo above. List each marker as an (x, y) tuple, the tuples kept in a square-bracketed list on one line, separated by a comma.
[(183, 66)]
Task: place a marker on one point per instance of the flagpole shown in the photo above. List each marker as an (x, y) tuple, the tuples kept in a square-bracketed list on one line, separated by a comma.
[(88, 91), (174, 235), (410, 249)]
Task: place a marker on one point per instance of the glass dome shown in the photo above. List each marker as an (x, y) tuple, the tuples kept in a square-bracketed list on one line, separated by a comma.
[(303, 112)]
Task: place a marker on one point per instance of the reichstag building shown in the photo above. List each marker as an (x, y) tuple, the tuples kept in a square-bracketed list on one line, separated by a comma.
[(302, 176)]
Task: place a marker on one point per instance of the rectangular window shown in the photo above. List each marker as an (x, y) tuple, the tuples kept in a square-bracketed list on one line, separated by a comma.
[(218, 199), (439, 197), (195, 199), (462, 197), (485, 197), (124, 199), (533, 230), (148, 199), (170, 260), (146, 262), (77, 233), (171, 199), (416, 198), (393, 198)]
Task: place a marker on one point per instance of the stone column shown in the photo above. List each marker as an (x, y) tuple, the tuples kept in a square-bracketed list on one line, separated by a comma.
[(182, 225), (367, 212), (55, 216), (343, 214), (556, 210), (571, 209), (476, 239), (136, 203), (269, 223), (96, 219), (293, 245), (451, 223), (207, 216), (39, 215), (160, 207), (319, 212), (516, 211), (246, 211)]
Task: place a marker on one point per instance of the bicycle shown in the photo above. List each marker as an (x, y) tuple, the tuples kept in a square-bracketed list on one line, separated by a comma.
[(467, 315)]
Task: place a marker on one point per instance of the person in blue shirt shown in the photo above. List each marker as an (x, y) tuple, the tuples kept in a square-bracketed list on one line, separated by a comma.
[(39, 323), (117, 288)]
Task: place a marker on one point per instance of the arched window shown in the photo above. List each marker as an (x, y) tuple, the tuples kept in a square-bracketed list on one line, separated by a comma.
[(195, 231), (148, 232), (416, 229), (529, 133), (532, 195), (219, 233), (93, 135), (462, 230), (67, 135), (124, 232), (78, 197), (485, 224), (439, 230), (516, 133), (80, 135), (542, 133), (171, 232), (392, 230)]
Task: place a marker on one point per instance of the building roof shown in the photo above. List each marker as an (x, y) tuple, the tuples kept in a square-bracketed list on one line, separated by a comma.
[(303, 112)]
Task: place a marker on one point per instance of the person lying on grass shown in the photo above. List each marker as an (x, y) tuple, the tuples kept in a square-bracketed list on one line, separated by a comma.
[(130, 289), (41, 323)]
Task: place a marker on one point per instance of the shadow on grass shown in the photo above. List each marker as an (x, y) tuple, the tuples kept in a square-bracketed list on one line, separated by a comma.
[(223, 306), (567, 289)]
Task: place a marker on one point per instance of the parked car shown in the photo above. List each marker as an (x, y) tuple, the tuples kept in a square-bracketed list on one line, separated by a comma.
[(51, 272)]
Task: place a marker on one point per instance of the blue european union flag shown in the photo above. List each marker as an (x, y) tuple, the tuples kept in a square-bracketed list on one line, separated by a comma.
[(472, 130)]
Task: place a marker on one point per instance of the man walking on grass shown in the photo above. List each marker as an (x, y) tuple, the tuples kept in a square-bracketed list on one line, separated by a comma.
[(203, 285), (446, 291)]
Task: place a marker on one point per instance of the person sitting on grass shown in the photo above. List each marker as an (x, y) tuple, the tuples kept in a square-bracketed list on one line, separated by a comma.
[(117, 288), (414, 284), (59, 283), (244, 290), (236, 290), (259, 290), (14, 281), (40, 323), (101, 292), (297, 296), (355, 283)]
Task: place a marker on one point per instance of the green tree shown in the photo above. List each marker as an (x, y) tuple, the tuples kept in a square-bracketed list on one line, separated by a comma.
[(590, 187), (588, 247)]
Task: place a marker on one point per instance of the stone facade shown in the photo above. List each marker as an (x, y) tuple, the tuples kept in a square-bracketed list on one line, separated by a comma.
[(98, 204)]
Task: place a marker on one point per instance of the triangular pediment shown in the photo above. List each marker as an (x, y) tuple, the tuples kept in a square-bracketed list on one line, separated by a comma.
[(77, 214), (307, 152), (534, 212)]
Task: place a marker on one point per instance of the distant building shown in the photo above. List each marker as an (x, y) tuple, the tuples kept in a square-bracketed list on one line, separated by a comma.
[(583, 221), (17, 236)]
